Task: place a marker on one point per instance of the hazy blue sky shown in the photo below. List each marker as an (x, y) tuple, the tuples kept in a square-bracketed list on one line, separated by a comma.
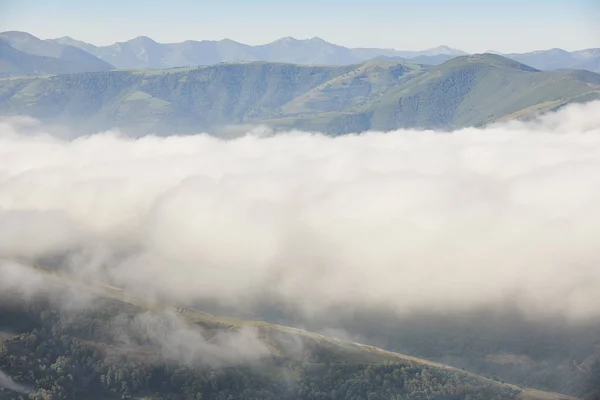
[(509, 25)]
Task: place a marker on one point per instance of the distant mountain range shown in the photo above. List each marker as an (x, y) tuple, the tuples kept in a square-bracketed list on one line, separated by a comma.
[(63, 60), (144, 53), (556, 59), (469, 90), (140, 86)]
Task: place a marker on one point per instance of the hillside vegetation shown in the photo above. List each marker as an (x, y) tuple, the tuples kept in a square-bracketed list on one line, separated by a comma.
[(56, 351), (381, 95)]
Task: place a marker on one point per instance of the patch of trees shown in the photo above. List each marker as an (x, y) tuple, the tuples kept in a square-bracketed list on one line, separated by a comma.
[(55, 364)]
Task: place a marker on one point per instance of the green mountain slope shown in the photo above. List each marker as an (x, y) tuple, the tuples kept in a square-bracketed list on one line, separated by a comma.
[(85, 340), (465, 91), (382, 95), (362, 84), (167, 100), (474, 90)]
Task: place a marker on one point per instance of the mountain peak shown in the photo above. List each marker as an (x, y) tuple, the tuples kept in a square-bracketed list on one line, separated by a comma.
[(142, 40), (285, 41), (554, 50), (446, 50), (64, 40), (18, 35), (487, 59), (317, 39)]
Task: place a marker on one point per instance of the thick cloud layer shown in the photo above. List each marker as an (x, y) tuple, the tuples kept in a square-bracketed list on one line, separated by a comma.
[(412, 220)]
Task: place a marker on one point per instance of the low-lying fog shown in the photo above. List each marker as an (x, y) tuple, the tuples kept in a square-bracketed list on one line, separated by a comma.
[(415, 221)]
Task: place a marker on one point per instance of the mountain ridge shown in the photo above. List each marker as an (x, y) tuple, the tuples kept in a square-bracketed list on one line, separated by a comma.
[(80, 60), (14, 62), (143, 52), (383, 95)]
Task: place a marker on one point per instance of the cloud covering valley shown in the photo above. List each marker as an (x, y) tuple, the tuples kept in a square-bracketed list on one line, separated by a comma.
[(414, 220)]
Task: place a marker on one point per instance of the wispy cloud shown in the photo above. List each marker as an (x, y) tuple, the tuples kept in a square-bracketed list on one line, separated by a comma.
[(6, 382), (191, 345)]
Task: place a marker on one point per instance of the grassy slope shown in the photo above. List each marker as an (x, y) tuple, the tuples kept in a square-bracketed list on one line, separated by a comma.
[(465, 91), (366, 82), (177, 99), (345, 352), (474, 90), (380, 95)]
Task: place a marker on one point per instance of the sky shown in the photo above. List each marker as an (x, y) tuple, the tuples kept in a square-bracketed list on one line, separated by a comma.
[(473, 26)]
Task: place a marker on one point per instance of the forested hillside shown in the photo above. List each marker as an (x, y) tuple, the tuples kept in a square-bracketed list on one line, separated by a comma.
[(377, 95), (55, 347)]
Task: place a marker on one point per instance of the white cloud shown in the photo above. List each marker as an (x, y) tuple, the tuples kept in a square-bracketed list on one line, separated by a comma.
[(408, 219), (189, 344), (7, 383)]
